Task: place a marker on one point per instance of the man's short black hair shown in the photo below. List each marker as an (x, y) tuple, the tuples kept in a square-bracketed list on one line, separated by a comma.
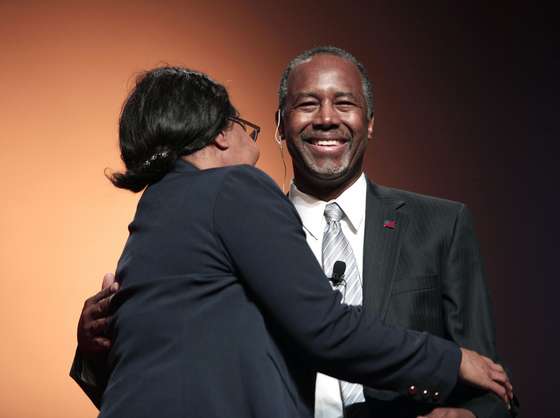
[(328, 50)]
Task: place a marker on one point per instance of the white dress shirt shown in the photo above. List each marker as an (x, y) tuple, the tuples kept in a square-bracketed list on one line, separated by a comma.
[(328, 401)]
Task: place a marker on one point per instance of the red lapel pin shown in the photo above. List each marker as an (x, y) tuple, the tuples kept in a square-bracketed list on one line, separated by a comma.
[(389, 224)]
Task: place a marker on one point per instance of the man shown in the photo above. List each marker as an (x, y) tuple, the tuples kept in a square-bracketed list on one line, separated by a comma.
[(417, 256), (93, 320)]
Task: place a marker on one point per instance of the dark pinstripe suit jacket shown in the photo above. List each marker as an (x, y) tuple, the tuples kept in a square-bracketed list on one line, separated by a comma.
[(426, 274)]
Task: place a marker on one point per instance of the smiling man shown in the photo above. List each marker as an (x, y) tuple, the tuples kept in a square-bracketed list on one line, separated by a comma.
[(328, 125), (412, 260)]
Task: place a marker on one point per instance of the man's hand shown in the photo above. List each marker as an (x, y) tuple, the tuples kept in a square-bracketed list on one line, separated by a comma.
[(484, 373), (449, 413), (94, 319)]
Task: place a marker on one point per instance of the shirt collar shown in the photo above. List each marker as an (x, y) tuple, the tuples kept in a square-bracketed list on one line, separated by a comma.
[(352, 201)]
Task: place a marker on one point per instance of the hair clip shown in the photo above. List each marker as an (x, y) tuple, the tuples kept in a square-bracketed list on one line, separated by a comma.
[(157, 156)]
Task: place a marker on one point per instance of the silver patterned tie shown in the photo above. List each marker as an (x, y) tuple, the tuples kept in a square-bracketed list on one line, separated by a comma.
[(336, 247)]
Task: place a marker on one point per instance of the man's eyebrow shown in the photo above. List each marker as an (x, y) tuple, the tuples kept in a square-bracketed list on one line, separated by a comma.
[(345, 94), (305, 94)]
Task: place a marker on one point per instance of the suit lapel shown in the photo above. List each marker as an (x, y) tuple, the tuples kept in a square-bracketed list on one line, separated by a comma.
[(381, 247)]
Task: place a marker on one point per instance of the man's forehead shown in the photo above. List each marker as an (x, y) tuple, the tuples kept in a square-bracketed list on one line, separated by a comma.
[(326, 71)]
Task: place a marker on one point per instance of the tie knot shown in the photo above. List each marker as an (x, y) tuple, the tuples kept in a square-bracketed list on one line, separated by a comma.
[(333, 212)]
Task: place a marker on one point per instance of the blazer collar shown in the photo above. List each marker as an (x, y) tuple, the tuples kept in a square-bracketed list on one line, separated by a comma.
[(183, 166)]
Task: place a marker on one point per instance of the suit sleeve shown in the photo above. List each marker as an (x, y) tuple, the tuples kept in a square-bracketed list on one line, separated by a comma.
[(92, 378), (468, 312), (261, 231)]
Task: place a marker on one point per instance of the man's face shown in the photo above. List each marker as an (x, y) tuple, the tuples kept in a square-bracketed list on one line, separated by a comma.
[(325, 122)]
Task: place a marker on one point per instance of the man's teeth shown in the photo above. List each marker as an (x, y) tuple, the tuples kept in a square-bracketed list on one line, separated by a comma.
[(326, 142)]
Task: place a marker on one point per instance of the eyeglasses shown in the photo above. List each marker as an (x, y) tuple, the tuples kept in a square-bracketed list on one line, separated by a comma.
[(251, 129)]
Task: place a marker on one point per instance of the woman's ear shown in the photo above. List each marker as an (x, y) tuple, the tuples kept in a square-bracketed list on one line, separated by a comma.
[(222, 141)]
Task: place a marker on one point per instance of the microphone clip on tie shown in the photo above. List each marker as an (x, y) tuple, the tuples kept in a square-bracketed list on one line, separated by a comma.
[(337, 278)]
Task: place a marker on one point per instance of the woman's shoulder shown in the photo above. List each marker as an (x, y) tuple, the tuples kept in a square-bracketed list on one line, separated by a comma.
[(244, 181), (247, 171), (248, 177)]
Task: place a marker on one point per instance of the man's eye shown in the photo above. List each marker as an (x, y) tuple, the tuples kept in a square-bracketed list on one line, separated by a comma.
[(307, 104)]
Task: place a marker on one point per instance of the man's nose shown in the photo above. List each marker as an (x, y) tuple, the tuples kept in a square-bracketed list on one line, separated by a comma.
[(327, 117)]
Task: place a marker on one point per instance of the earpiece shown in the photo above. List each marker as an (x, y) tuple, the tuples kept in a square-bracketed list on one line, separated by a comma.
[(277, 137), (280, 143)]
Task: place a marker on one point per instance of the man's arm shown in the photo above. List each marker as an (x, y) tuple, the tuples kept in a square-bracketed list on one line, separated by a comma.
[(468, 311), (89, 368)]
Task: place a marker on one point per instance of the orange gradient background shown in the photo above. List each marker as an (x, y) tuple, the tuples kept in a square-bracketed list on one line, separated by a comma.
[(66, 68)]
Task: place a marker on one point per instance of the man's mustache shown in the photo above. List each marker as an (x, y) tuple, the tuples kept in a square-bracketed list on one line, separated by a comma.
[(326, 135)]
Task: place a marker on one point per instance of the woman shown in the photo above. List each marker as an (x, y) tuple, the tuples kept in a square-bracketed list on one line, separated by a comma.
[(223, 310)]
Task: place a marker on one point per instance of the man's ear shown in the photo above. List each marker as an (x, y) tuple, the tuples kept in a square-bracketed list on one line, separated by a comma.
[(370, 128), (221, 141)]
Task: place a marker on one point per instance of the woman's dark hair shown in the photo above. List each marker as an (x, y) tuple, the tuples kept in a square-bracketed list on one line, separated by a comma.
[(170, 112)]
